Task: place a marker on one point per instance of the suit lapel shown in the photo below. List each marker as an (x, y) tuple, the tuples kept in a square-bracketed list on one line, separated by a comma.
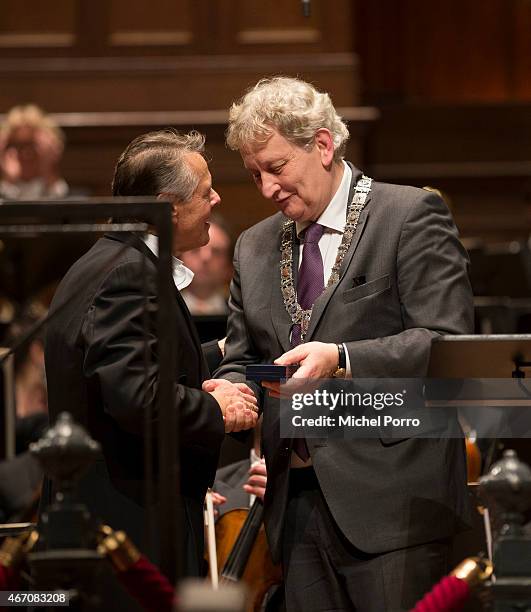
[(138, 244), (322, 301)]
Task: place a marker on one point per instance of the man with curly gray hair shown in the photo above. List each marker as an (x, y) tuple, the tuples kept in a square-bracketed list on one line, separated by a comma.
[(351, 278)]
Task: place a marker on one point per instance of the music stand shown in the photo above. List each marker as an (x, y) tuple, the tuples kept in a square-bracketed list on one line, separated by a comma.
[(90, 215), (484, 356), (481, 356)]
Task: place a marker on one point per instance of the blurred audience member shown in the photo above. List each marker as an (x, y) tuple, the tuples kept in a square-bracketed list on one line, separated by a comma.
[(212, 268), (31, 148)]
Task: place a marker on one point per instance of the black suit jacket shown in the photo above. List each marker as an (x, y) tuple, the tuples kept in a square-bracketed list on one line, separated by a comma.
[(95, 368), (403, 282)]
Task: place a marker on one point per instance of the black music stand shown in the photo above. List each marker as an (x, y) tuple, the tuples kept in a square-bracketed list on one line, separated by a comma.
[(483, 357), (91, 215)]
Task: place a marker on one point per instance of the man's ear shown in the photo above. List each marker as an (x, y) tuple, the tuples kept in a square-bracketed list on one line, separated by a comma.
[(325, 146), (174, 204)]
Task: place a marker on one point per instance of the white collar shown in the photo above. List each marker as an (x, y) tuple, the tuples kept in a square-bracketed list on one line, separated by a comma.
[(333, 216), (182, 276)]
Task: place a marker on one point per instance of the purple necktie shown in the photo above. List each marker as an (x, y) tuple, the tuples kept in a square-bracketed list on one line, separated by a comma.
[(310, 285)]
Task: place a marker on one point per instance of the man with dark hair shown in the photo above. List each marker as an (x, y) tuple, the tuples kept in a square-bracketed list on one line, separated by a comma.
[(101, 350), (350, 278)]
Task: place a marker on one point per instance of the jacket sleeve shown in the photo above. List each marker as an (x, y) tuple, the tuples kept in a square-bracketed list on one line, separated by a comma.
[(213, 354), (120, 356), (434, 292), (239, 349)]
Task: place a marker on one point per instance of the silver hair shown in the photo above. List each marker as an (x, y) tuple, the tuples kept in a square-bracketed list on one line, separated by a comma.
[(292, 107), (155, 163)]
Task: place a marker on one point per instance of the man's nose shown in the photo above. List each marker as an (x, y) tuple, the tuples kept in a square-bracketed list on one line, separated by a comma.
[(269, 186), (215, 199)]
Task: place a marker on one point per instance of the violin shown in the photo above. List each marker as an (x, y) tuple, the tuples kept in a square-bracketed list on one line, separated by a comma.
[(243, 554), (473, 460)]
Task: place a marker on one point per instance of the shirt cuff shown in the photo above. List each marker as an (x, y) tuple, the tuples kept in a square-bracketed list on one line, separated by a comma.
[(348, 371)]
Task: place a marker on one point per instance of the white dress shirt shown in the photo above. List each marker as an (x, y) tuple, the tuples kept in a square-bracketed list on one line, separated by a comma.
[(333, 219), (182, 276)]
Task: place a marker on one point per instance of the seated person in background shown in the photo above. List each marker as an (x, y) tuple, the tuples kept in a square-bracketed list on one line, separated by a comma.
[(212, 268), (238, 484), (30, 382), (20, 477), (31, 148)]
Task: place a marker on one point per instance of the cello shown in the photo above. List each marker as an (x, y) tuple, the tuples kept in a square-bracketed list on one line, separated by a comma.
[(243, 554)]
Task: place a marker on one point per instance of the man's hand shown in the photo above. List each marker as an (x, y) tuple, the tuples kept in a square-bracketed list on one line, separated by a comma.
[(10, 167), (237, 402), (256, 484), (217, 500), (316, 360)]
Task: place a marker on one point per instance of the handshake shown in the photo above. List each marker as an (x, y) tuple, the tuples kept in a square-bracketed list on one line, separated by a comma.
[(236, 401)]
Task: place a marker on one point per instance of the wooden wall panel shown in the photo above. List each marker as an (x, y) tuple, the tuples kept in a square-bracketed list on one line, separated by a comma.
[(159, 23), (457, 50), (134, 55), (30, 24), (521, 60), (479, 155), (286, 27), (451, 51), (249, 26), (379, 42), (163, 84)]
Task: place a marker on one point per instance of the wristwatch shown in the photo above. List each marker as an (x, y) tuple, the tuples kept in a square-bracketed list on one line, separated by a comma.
[(341, 370)]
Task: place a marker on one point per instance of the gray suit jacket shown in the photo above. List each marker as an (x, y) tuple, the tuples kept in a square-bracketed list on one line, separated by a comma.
[(383, 494)]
